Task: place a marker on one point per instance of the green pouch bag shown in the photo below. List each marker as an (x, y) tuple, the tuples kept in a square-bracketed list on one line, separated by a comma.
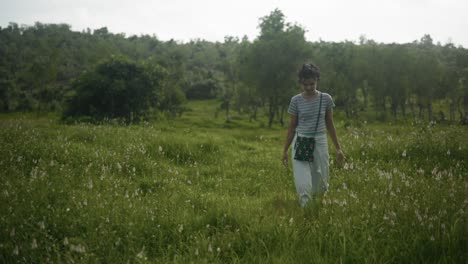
[(305, 146)]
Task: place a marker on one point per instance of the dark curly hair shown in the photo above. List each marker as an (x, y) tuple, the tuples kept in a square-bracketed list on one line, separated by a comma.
[(308, 71)]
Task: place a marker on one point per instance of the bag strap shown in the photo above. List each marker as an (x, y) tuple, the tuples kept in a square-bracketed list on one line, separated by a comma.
[(318, 115)]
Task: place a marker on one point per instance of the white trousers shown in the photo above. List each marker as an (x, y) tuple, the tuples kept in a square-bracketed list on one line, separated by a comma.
[(311, 177)]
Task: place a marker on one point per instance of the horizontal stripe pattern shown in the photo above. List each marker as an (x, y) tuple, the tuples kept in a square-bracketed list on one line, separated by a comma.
[(307, 110)]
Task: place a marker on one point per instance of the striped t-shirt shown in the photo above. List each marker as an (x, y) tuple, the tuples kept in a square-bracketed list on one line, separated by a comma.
[(307, 110)]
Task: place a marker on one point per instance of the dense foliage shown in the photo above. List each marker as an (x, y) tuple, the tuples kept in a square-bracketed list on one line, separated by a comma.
[(117, 88), (421, 79)]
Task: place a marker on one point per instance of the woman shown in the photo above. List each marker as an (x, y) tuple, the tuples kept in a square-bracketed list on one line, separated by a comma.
[(311, 114)]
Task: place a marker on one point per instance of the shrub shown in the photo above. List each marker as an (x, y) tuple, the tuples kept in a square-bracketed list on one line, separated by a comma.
[(117, 88)]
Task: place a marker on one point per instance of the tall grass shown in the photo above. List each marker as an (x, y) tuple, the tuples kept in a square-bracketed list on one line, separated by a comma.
[(193, 190)]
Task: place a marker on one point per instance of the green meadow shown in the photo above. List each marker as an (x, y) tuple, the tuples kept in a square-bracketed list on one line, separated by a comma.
[(198, 190)]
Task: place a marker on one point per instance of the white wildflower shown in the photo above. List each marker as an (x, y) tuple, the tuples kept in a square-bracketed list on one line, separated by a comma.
[(78, 248), (142, 254), (34, 244), (16, 251), (343, 203), (418, 215)]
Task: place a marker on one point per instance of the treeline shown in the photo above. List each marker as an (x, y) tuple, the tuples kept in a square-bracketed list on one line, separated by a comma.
[(41, 65)]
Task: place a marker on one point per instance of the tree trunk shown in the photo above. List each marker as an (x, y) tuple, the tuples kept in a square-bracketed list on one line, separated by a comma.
[(394, 107), (429, 110), (421, 110), (366, 94), (384, 108), (282, 116), (227, 105), (403, 108), (271, 117), (460, 108), (452, 110), (411, 105), (347, 109), (253, 114), (271, 112)]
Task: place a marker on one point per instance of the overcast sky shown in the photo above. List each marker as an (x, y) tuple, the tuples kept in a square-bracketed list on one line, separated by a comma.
[(385, 21)]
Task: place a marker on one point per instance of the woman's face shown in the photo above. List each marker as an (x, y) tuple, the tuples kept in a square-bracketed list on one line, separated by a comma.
[(309, 84)]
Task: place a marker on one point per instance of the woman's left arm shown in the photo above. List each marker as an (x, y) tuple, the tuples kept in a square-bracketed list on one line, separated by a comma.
[(332, 131)]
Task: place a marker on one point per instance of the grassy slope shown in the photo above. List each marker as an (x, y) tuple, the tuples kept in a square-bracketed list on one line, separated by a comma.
[(197, 189)]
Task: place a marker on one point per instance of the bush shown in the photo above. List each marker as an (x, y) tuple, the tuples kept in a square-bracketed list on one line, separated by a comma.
[(117, 88)]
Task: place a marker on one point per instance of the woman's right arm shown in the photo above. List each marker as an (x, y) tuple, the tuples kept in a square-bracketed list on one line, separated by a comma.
[(291, 130)]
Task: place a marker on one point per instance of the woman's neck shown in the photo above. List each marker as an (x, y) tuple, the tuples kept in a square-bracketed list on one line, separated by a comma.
[(310, 94)]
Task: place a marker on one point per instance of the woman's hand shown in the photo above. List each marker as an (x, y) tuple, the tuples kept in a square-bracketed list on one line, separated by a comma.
[(284, 159), (340, 157)]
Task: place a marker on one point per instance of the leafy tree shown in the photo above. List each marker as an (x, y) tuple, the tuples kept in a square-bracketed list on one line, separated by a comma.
[(119, 88), (229, 66), (272, 61)]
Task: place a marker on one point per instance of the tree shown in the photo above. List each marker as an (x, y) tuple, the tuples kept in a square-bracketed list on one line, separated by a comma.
[(118, 88), (229, 65), (273, 59), (426, 76)]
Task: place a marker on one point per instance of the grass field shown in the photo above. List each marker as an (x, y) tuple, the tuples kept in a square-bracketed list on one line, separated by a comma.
[(196, 189)]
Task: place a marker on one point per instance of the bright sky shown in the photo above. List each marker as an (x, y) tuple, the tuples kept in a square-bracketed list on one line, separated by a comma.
[(384, 21)]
